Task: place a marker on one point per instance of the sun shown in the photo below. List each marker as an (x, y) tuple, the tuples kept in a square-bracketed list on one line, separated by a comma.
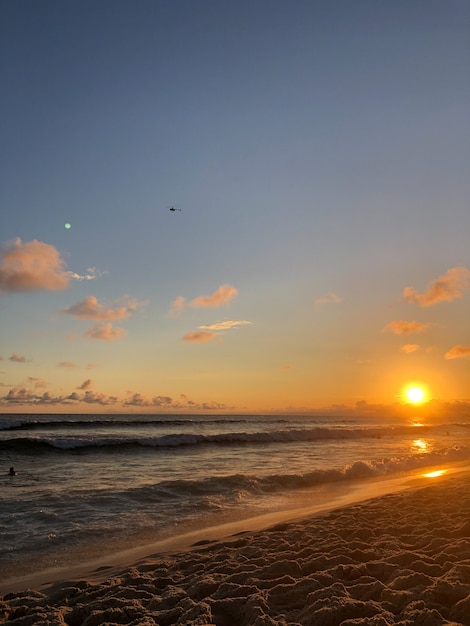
[(415, 393)]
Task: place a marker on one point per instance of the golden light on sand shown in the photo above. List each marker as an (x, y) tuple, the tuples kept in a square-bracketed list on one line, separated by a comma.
[(415, 393)]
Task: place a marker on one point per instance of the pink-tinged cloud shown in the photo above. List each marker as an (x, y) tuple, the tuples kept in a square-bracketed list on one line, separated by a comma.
[(402, 327), (199, 337), (408, 348), (105, 332), (286, 367), (17, 358), (446, 288), (329, 298), (87, 384), (91, 309), (177, 306), (458, 352), (223, 295), (32, 266)]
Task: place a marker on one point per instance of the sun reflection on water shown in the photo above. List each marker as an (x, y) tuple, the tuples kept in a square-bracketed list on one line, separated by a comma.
[(420, 445), (435, 474)]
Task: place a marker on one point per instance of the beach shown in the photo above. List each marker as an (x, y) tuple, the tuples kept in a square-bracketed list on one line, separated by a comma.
[(401, 558)]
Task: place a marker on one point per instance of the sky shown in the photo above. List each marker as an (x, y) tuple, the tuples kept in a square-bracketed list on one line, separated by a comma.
[(318, 153)]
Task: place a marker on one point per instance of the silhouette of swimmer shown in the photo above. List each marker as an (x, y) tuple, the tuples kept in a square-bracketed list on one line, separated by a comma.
[(12, 472)]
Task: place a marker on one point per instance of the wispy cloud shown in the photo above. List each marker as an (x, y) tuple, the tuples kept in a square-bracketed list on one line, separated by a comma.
[(199, 337), (408, 348), (91, 274), (67, 364), (402, 327), (17, 358), (39, 383), (105, 332), (91, 309), (329, 298), (177, 306), (446, 288), (223, 295), (458, 352), (226, 325), (32, 266)]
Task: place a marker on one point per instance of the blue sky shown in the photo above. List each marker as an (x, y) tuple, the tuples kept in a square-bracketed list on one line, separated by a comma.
[(314, 148)]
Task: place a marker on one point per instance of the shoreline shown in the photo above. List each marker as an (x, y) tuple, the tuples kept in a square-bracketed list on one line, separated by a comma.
[(360, 494), (402, 558), (331, 497)]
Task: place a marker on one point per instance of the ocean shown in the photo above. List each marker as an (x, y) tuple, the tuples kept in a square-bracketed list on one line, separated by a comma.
[(91, 485)]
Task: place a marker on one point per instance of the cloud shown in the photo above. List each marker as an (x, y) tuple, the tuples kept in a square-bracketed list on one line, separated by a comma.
[(401, 327), (32, 266), (225, 325), (24, 396), (286, 367), (87, 384), (458, 352), (39, 383), (17, 358), (445, 289), (177, 306), (136, 399), (162, 401), (223, 295), (105, 332), (91, 309), (329, 298), (98, 398), (199, 337), (91, 274), (408, 348), (67, 364)]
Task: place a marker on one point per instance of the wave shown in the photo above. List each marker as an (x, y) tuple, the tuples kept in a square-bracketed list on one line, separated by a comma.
[(161, 422), (239, 485), (94, 441)]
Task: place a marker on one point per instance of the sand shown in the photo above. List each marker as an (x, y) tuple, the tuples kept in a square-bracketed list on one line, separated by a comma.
[(403, 558)]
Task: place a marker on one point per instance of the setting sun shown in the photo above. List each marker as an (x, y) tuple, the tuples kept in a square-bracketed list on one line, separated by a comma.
[(415, 394)]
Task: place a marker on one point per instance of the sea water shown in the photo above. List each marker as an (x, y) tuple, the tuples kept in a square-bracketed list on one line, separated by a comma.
[(90, 485)]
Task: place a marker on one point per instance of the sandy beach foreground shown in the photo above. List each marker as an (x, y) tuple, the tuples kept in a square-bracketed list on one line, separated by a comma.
[(403, 558)]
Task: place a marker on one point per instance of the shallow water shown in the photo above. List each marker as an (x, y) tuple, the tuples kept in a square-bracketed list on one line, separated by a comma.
[(91, 484)]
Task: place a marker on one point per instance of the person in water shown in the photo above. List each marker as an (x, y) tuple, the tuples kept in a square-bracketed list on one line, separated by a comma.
[(12, 472)]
